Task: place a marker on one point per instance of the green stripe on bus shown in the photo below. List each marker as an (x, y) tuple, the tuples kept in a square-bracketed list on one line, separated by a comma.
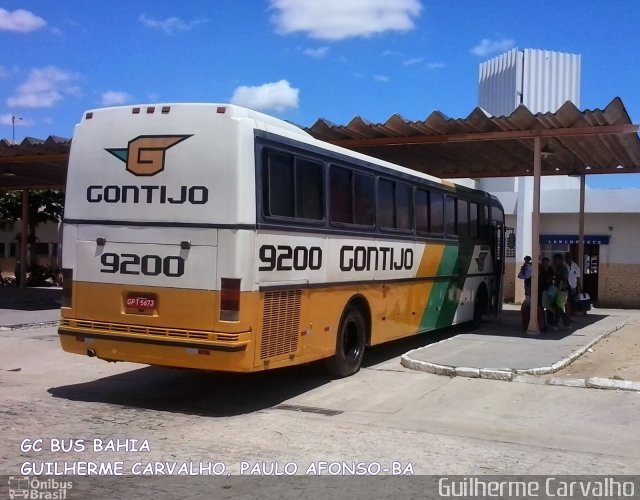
[(445, 295), (432, 316)]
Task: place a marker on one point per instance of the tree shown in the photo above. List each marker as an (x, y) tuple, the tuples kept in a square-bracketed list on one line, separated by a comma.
[(44, 206)]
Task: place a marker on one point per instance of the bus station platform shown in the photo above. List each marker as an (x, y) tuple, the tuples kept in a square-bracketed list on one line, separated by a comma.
[(500, 350)]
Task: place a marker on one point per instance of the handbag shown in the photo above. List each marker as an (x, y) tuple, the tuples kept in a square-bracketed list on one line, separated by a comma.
[(584, 302)]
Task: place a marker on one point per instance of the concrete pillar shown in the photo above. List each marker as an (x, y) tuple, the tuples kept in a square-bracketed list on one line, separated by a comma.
[(534, 328), (524, 188), (581, 230)]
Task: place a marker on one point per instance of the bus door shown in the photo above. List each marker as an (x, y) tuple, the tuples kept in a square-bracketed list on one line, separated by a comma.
[(498, 229)]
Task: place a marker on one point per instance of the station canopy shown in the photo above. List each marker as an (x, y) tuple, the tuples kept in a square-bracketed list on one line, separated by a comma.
[(575, 142), (34, 163)]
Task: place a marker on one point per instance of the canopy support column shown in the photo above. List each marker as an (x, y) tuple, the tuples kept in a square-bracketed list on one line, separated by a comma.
[(24, 234), (581, 230), (534, 328)]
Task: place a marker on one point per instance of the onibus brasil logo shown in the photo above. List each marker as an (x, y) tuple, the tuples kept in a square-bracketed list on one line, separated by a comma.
[(49, 488), (145, 154)]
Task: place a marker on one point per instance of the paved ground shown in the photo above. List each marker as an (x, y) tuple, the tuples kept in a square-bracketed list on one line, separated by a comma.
[(384, 414), (32, 305)]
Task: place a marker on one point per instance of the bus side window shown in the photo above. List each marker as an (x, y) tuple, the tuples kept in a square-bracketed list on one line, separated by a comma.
[(364, 209), (422, 211), (450, 216), (463, 218), (436, 213), (309, 180), (340, 191), (278, 197), (404, 206), (474, 221), (386, 205)]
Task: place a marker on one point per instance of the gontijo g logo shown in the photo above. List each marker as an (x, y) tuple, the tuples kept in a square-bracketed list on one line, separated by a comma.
[(145, 154)]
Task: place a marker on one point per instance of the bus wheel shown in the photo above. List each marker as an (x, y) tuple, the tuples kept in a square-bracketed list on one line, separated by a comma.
[(350, 344), (480, 305)]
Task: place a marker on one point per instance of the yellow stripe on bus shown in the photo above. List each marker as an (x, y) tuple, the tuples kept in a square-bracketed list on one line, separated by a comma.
[(431, 257)]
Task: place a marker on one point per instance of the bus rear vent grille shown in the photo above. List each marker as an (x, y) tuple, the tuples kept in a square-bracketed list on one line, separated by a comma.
[(280, 323)]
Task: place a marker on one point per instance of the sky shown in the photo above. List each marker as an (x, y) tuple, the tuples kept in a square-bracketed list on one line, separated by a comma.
[(298, 59)]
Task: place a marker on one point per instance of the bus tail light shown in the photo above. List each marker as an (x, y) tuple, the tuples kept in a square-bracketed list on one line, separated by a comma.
[(230, 299), (67, 287)]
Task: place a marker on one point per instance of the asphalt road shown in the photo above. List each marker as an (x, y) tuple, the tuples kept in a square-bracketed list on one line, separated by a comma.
[(385, 419)]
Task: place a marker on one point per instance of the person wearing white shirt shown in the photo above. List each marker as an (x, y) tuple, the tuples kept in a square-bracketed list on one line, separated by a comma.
[(574, 280)]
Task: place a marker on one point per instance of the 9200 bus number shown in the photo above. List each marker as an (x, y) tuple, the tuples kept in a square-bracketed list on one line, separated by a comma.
[(286, 258), (148, 265)]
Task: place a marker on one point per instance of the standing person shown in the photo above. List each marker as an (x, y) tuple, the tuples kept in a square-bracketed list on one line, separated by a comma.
[(561, 271), (525, 274), (574, 283)]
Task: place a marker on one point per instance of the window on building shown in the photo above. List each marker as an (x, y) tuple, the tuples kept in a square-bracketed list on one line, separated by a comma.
[(450, 216), (42, 248), (3, 250), (12, 250)]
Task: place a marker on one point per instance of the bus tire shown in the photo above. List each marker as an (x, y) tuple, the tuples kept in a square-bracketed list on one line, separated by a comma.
[(480, 304), (350, 343)]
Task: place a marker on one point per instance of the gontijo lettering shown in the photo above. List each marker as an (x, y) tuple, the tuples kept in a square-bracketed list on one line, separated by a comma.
[(195, 195)]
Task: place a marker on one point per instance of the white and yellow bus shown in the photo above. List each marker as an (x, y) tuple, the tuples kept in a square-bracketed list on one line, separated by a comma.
[(213, 237)]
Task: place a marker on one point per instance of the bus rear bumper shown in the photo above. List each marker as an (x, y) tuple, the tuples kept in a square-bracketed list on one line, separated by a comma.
[(234, 356)]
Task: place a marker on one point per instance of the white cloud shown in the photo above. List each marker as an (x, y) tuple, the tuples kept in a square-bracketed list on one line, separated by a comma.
[(4, 73), (277, 95), (340, 19), (413, 60), (114, 98), (318, 53), (436, 65), (6, 119), (381, 78), (43, 88), (21, 21), (488, 46), (170, 25)]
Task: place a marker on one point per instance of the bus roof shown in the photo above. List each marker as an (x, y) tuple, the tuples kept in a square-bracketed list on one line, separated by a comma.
[(281, 127)]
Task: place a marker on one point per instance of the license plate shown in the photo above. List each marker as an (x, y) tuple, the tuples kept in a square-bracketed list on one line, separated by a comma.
[(140, 303)]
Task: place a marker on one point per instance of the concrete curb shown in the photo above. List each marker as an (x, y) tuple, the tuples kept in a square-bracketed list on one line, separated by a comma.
[(564, 362), (528, 375)]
